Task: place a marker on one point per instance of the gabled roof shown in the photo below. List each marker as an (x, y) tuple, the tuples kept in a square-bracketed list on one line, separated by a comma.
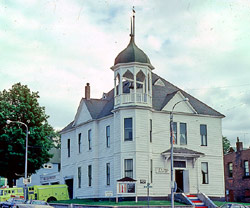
[(161, 95), (183, 151), (95, 106), (126, 179)]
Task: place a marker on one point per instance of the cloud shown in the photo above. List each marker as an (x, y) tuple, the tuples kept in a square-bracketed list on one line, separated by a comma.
[(55, 47)]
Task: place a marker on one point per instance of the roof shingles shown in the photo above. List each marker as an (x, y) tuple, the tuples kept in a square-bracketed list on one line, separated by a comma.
[(161, 95)]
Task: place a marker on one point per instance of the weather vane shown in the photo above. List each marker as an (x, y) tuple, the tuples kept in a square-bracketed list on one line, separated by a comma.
[(133, 23)]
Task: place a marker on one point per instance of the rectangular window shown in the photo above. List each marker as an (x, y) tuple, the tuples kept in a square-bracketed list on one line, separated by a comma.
[(151, 171), (79, 142), (246, 168), (175, 132), (108, 174), (90, 139), (128, 129), (150, 129), (203, 132), (204, 172), (179, 164), (128, 168), (107, 136), (230, 169), (90, 174), (68, 147), (79, 177), (183, 133)]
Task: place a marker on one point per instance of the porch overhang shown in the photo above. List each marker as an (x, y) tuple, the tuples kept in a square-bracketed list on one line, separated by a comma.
[(182, 153)]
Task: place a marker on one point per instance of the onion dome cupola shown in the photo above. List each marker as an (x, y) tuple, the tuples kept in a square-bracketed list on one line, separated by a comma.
[(132, 75), (132, 54)]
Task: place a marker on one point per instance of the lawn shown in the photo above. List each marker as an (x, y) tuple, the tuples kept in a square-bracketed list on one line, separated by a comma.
[(112, 203), (130, 203)]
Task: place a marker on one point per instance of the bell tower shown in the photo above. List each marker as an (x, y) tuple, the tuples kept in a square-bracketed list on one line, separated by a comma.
[(132, 75)]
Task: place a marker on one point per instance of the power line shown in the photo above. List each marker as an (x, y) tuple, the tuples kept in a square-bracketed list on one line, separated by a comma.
[(229, 86)]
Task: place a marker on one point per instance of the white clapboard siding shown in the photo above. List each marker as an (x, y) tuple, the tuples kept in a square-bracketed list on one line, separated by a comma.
[(142, 151)]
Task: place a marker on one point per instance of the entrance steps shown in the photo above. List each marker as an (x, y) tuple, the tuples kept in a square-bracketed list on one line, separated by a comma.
[(196, 201), (199, 200)]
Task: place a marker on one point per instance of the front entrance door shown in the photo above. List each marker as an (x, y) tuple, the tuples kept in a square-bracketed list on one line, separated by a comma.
[(69, 183), (231, 195), (179, 180)]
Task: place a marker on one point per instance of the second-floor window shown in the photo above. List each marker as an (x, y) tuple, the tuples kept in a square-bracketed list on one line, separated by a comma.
[(183, 133), (107, 136), (203, 133), (90, 174), (90, 139), (68, 147), (128, 168), (128, 129), (79, 142), (204, 172), (246, 168), (174, 132), (230, 169)]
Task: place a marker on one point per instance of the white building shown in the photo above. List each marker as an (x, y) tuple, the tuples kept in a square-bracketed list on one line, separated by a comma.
[(49, 174), (126, 133)]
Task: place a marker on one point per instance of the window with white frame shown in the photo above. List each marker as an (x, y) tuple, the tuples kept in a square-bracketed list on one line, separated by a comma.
[(246, 168), (128, 129), (128, 168), (107, 136), (90, 175), (203, 133), (79, 177), (108, 174), (230, 169), (90, 139), (79, 142), (174, 133), (183, 133), (204, 172), (68, 147), (150, 130)]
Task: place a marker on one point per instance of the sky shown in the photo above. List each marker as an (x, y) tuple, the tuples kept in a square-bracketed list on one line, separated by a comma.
[(57, 46)]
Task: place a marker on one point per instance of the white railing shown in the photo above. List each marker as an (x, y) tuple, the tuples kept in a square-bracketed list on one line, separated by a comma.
[(130, 98)]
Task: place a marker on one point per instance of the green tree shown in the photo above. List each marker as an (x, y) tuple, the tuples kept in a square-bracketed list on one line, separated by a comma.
[(226, 144), (20, 104)]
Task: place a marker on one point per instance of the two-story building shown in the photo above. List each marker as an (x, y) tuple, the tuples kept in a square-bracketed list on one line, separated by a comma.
[(126, 134), (237, 175)]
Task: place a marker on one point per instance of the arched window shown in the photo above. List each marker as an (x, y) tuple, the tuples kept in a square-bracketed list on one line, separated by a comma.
[(117, 83)]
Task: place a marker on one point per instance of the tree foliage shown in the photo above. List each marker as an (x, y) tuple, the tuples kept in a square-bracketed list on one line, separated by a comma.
[(20, 104), (226, 144)]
